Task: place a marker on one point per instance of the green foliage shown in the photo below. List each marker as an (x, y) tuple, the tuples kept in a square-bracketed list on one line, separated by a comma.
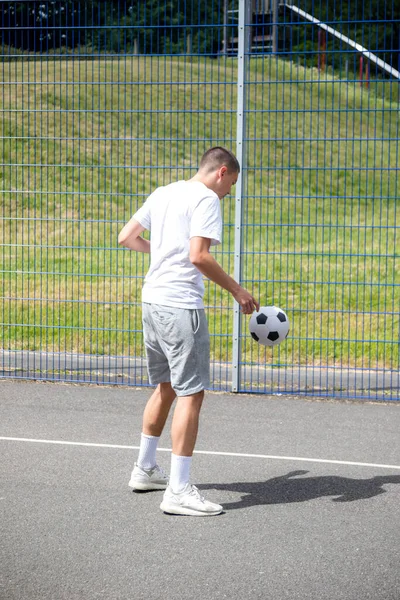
[(118, 26), (174, 27)]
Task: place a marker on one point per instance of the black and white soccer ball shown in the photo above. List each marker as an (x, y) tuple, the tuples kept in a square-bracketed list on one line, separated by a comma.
[(269, 326)]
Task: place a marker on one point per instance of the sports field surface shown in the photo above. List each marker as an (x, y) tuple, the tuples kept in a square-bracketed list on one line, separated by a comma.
[(310, 490)]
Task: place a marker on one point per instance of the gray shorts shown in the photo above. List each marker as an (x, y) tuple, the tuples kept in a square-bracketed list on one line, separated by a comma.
[(177, 347)]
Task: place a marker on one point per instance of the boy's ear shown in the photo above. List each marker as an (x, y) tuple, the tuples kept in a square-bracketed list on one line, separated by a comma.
[(222, 171)]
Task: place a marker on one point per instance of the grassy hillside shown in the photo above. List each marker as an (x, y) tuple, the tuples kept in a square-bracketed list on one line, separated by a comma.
[(85, 141)]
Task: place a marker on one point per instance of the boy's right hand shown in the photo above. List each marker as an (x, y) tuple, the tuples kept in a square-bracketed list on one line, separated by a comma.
[(246, 301)]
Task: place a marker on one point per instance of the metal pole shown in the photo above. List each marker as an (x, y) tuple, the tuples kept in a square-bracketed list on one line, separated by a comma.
[(274, 26), (243, 58), (225, 29)]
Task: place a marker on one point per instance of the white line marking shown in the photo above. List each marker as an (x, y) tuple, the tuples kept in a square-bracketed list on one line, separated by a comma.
[(209, 452)]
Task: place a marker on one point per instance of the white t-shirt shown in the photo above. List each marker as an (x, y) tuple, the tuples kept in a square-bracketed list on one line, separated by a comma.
[(174, 214)]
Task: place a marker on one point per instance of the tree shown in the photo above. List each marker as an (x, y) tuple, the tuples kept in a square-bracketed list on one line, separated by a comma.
[(113, 26), (163, 26)]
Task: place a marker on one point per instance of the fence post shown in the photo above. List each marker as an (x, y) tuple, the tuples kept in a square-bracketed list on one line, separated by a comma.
[(367, 75), (189, 44), (275, 26), (321, 50), (243, 59), (225, 30)]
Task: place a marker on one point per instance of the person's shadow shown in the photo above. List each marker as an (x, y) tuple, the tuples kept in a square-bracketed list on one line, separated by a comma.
[(291, 488)]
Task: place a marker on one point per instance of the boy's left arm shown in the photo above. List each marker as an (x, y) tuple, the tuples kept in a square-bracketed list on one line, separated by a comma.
[(130, 237)]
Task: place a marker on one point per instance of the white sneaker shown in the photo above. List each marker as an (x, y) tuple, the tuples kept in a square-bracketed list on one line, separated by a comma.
[(188, 502), (148, 479)]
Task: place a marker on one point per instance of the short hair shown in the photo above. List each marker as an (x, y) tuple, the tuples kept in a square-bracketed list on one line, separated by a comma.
[(218, 157)]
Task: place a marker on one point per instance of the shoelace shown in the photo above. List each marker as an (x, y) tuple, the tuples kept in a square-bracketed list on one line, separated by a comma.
[(160, 470), (195, 492)]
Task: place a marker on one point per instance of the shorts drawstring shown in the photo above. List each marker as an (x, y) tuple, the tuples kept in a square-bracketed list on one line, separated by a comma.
[(198, 320)]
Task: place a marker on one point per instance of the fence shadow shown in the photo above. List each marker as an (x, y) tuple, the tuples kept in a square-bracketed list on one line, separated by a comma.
[(291, 488)]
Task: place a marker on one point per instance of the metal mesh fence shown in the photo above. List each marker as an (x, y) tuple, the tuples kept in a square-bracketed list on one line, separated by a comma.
[(103, 101)]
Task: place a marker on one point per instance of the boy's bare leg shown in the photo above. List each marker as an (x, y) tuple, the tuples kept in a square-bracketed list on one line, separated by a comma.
[(157, 409), (180, 497), (185, 424), (147, 475)]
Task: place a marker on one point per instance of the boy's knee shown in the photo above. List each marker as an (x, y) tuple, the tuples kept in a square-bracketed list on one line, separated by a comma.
[(166, 390), (196, 400)]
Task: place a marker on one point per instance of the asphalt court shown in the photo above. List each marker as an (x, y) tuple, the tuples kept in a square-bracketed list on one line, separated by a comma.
[(310, 489)]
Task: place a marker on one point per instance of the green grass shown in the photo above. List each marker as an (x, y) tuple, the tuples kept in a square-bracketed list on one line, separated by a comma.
[(319, 214)]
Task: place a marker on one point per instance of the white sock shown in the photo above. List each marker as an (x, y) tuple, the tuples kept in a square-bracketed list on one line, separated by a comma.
[(180, 472), (147, 451)]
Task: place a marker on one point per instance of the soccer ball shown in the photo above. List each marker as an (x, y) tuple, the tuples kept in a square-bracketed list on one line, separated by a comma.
[(269, 326)]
